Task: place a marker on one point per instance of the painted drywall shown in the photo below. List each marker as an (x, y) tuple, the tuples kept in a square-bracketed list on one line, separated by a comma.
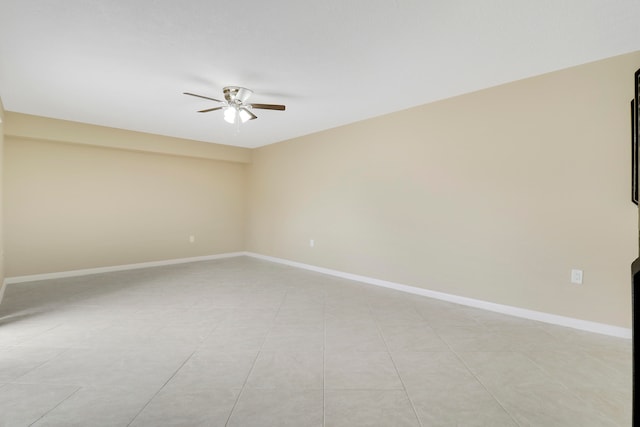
[(36, 127), (2, 284), (494, 195), (72, 206)]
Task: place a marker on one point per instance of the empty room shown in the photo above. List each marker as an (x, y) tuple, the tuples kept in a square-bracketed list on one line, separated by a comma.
[(363, 213)]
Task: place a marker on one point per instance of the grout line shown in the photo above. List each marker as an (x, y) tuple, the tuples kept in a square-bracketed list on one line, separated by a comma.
[(198, 347), (569, 389), (404, 387), (60, 403), (36, 335), (208, 335), (16, 379), (253, 365), (161, 387), (233, 408), (476, 377)]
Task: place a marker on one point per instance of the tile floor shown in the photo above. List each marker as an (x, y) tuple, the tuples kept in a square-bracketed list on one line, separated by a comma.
[(244, 342)]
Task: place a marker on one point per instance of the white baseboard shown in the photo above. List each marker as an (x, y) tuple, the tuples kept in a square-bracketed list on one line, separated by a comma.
[(98, 270), (554, 319)]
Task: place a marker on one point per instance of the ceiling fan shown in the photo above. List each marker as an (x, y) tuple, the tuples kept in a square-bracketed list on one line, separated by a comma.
[(235, 105)]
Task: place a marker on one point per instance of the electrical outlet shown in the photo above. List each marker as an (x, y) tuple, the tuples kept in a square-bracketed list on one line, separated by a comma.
[(312, 243), (576, 277), (192, 239)]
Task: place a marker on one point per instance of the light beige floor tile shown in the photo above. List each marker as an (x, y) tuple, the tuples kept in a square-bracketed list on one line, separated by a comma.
[(24, 404), (301, 315), (587, 341), (446, 317), (287, 369), (372, 408), (278, 408), (265, 333), (397, 315), (16, 328), (604, 383), (359, 322), (251, 317), (98, 407), (526, 339), (435, 370), (548, 405), (361, 370), (300, 296), (295, 337), (345, 309), (297, 328), (530, 394), (186, 407), (580, 369), (464, 339), (418, 337), (189, 336), (236, 339), (67, 335), (620, 360), (209, 368), (503, 369), (219, 300), (16, 361), (131, 334), (615, 404), (465, 403), (355, 336), (347, 343), (493, 320), (85, 367)]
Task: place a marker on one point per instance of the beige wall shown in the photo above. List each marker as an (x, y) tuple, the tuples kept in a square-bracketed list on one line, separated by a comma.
[(75, 206), (494, 195), (2, 285), (36, 127)]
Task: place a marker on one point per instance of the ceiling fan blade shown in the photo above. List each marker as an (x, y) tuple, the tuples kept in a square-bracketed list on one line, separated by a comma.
[(210, 109), (200, 96), (253, 116), (268, 106)]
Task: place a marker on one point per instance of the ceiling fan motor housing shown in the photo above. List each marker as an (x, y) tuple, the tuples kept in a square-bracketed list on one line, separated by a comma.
[(236, 94)]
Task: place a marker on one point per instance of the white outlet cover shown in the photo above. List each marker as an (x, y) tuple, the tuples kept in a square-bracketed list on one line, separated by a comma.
[(576, 277), (312, 243)]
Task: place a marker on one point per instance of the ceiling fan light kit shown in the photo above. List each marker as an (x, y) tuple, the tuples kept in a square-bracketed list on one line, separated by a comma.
[(235, 106), (233, 114)]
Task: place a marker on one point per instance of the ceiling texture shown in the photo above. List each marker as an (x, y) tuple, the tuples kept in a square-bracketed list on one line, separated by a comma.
[(126, 63)]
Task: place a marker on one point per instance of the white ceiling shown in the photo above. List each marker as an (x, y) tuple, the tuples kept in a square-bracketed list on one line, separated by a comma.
[(125, 63)]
